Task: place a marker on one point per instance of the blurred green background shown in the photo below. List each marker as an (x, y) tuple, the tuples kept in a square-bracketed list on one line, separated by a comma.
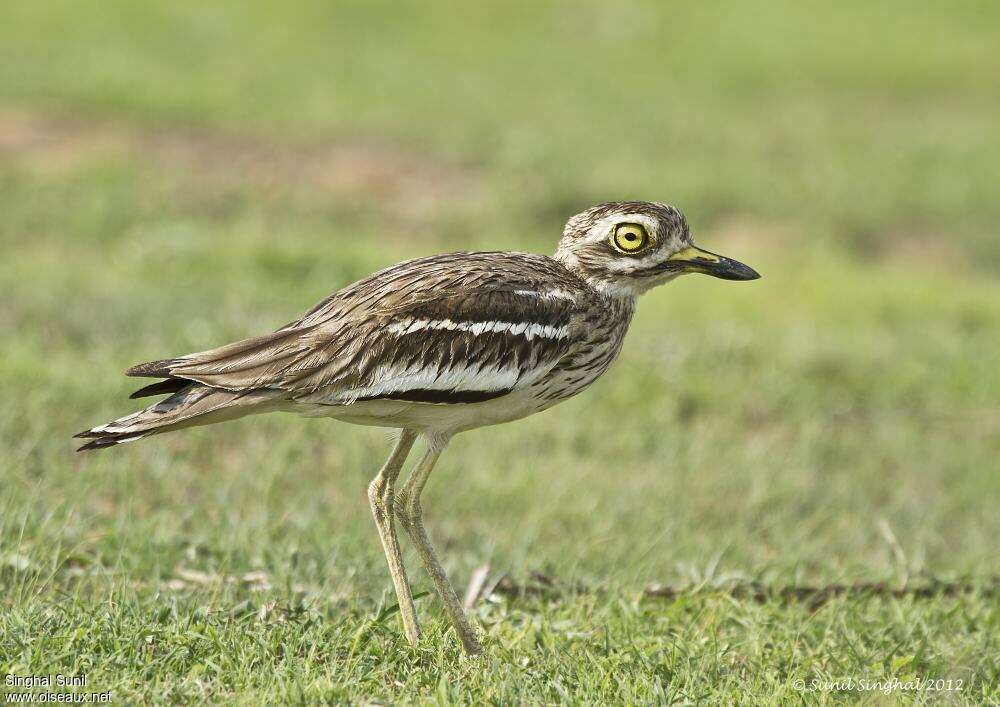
[(177, 175)]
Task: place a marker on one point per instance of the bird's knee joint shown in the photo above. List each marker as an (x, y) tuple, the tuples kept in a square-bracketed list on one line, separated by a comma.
[(407, 511), (380, 495)]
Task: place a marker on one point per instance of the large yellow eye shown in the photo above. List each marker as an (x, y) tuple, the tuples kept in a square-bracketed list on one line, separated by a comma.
[(630, 237)]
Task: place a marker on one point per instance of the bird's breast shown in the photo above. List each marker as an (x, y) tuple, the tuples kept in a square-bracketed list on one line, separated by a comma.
[(599, 345)]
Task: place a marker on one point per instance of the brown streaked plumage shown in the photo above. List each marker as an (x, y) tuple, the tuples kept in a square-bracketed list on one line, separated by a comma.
[(436, 346)]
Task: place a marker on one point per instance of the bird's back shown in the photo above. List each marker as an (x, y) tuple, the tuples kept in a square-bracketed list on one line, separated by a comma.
[(457, 329)]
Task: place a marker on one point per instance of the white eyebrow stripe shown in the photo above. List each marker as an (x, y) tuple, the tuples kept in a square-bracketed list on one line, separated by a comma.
[(529, 330)]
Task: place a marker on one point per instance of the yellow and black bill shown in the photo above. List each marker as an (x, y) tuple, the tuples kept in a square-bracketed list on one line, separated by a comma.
[(694, 259)]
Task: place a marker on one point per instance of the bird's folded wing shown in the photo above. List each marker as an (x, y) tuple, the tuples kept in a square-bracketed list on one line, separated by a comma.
[(453, 345)]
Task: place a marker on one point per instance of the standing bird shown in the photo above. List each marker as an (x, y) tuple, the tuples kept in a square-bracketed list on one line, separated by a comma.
[(433, 347)]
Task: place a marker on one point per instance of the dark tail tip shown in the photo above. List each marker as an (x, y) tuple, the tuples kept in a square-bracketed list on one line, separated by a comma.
[(171, 385), (110, 440), (152, 369), (95, 444)]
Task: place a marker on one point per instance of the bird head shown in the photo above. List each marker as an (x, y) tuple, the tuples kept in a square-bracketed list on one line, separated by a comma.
[(628, 247)]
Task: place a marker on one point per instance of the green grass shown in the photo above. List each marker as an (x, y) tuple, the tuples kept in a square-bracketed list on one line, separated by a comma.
[(183, 174)]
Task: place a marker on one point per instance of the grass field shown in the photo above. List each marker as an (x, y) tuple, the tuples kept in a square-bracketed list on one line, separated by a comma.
[(174, 176)]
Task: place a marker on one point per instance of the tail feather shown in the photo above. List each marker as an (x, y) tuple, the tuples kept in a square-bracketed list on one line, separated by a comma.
[(170, 385), (152, 369), (111, 440), (192, 405)]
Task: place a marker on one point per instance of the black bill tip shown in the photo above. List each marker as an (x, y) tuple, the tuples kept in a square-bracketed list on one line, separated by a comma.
[(729, 269)]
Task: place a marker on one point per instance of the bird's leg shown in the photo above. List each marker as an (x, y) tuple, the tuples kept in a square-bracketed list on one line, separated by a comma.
[(380, 495), (410, 514)]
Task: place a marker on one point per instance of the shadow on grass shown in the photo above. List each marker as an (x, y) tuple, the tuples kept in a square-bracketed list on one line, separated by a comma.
[(813, 596)]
